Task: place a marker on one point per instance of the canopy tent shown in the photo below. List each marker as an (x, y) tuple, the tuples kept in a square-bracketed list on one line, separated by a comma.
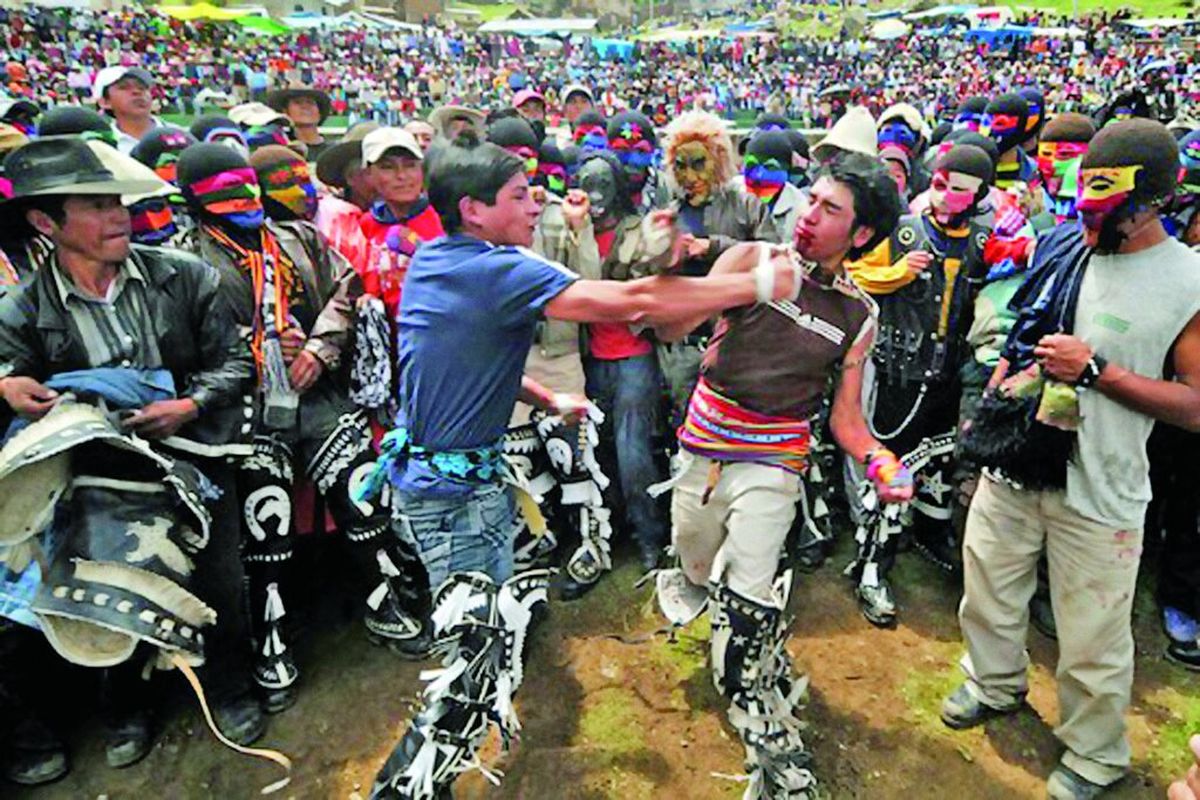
[(371, 17), (263, 25), (938, 11), (888, 29), (1158, 22), (303, 20), (1071, 32), (989, 16), (78, 5), (204, 10), (613, 48), (541, 26), (1003, 35), (885, 13), (748, 27), (677, 35)]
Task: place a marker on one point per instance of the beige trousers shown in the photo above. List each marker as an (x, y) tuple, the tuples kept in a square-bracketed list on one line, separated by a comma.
[(1093, 572), (737, 537), (562, 374)]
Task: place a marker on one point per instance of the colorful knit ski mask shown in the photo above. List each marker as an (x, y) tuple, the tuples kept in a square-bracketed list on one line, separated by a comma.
[(1004, 121), (220, 185), (1064, 140), (516, 136), (960, 180), (152, 221), (590, 132), (551, 169), (77, 121), (287, 186), (798, 170), (1035, 118), (765, 167), (1189, 164), (631, 137), (1130, 167), (970, 114), (263, 135), (160, 148), (215, 129)]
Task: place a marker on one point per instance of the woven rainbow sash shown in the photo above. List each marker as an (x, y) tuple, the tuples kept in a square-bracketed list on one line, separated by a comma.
[(718, 428)]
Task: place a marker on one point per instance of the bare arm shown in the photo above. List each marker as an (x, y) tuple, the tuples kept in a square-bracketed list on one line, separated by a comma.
[(739, 258), (1176, 402), (846, 419), (535, 394), (998, 373), (663, 299)]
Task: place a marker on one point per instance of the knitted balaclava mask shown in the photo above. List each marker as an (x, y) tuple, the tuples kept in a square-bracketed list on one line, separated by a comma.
[(961, 179), (215, 129), (631, 136), (76, 121), (1064, 141), (590, 132), (551, 169), (767, 164), (798, 171), (516, 136), (1035, 102), (286, 184), (1189, 164), (220, 186), (970, 114), (160, 148), (1130, 167), (1004, 121)]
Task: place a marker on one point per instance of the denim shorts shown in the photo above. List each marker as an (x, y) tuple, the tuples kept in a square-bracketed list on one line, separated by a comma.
[(464, 533)]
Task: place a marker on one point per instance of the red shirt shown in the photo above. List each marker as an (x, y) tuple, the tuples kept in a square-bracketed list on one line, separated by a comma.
[(613, 341), (386, 282)]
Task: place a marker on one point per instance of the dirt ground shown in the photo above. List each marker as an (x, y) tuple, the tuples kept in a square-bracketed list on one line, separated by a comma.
[(611, 710)]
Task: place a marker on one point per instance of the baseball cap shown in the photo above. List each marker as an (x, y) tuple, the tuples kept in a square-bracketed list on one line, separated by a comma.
[(110, 75), (376, 143), (578, 88), (525, 95)]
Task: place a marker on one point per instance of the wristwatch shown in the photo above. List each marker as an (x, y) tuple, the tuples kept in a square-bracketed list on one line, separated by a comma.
[(1091, 372)]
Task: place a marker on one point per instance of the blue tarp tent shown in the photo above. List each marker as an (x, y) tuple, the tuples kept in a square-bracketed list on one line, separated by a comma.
[(1003, 35), (613, 48)]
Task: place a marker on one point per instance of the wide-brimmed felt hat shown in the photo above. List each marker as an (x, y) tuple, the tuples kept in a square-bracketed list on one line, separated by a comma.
[(333, 161), (254, 114), (442, 115), (63, 166), (279, 99), (854, 132)]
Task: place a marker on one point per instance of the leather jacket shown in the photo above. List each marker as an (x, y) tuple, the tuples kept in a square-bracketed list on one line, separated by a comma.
[(193, 326)]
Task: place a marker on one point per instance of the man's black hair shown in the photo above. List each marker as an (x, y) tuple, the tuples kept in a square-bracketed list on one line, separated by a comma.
[(467, 169), (53, 206), (876, 198)]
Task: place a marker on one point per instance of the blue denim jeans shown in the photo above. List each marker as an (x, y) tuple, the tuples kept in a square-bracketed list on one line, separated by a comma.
[(627, 391), (464, 533)]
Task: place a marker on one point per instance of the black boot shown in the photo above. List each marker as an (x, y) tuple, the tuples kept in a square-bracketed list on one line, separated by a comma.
[(398, 608), (128, 735)]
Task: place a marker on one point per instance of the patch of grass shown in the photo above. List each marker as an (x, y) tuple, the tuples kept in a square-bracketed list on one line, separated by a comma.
[(1170, 756), (923, 691), (610, 721)]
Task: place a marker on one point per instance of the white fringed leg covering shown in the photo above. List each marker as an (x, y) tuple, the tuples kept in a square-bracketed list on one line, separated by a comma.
[(752, 669), (481, 629)]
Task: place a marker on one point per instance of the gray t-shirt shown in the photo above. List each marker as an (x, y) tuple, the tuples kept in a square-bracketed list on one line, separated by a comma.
[(1131, 309)]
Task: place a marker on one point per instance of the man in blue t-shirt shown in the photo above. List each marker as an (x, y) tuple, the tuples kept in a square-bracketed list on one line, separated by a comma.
[(470, 303)]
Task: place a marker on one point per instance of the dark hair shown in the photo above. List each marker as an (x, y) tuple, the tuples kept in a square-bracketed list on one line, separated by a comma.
[(876, 197), (625, 205), (52, 205), (478, 172)]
